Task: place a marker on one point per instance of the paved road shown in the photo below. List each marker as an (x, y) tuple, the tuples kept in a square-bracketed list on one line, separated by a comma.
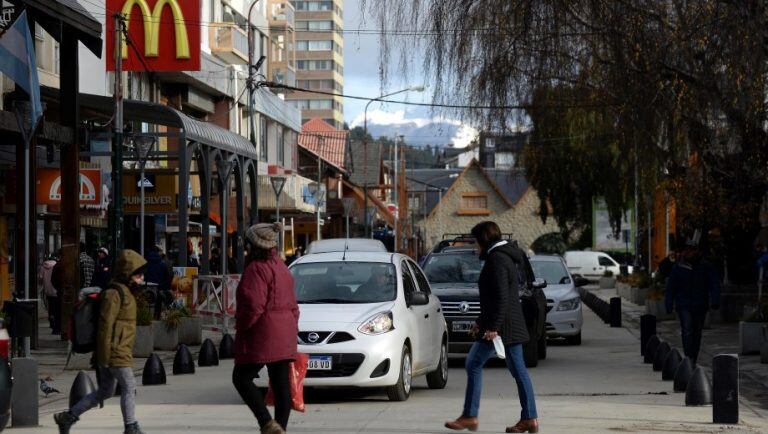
[(600, 386)]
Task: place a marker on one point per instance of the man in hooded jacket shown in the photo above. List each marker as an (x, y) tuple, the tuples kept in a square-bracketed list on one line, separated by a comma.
[(114, 346)]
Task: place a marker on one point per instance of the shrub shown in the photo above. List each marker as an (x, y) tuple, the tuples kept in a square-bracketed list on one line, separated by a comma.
[(608, 273), (640, 279)]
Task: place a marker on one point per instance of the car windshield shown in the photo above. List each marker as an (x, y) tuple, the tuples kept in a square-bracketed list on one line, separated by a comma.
[(344, 282), (453, 268), (552, 271)]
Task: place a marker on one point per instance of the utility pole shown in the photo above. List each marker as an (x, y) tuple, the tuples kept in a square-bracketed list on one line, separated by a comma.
[(395, 192), (251, 84), (320, 195), (116, 217)]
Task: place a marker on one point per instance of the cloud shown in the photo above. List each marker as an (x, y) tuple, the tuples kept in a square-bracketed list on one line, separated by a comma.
[(418, 129)]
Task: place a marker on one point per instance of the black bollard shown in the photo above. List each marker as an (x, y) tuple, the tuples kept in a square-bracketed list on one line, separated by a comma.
[(764, 353), (683, 375), (699, 390), (81, 387), (183, 362), (227, 347), (615, 310), (208, 355), (647, 329), (670, 365), (154, 371), (650, 348), (725, 389), (660, 356)]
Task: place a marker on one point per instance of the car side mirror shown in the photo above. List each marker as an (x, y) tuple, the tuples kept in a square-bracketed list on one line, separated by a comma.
[(580, 281), (539, 283), (418, 299)]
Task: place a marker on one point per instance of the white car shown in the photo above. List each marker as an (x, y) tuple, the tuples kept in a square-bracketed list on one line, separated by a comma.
[(564, 311), (592, 265), (369, 319)]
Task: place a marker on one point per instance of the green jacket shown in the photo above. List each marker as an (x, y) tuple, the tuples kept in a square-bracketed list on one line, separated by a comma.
[(117, 319)]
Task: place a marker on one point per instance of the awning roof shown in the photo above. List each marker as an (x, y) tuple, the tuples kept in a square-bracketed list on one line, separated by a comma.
[(159, 114), (51, 14)]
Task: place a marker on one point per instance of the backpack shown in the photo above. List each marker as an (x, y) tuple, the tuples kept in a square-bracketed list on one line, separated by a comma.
[(84, 324)]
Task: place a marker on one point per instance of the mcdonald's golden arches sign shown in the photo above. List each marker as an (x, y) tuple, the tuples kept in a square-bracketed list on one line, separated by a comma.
[(164, 35)]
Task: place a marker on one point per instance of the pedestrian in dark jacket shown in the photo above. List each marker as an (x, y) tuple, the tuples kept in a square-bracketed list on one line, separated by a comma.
[(157, 271), (103, 270), (87, 267), (500, 316), (45, 279), (267, 325), (693, 287)]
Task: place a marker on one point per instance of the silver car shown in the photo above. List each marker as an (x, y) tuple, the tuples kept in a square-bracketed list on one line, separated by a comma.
[(564, 311)]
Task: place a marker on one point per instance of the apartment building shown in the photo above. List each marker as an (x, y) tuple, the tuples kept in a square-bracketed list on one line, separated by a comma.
[(282, 54), (319, 60)]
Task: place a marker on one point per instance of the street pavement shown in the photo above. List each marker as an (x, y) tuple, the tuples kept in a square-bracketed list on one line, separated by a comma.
[(600, 386)]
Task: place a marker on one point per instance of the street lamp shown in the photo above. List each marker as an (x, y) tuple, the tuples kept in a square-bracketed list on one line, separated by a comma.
[(224, 170), (365, 143), (143, 148), (278, 182), (318, 194)]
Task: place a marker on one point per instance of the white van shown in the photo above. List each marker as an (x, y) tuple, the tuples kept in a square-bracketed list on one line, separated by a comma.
[(592, 265)]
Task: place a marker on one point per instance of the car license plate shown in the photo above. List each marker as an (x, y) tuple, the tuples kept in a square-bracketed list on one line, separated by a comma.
[(320, 363), (462, 326)]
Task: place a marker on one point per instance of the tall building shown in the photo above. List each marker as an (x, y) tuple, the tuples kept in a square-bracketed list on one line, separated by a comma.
[(319, 60)]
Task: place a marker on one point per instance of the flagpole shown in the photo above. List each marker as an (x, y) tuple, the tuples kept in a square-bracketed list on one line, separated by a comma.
[(27, 258)]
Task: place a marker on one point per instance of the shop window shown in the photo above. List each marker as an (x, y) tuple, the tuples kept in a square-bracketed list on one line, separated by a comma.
[(473, 204)]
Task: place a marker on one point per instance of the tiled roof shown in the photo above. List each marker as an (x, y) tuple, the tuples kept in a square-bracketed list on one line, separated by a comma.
[(320, 138)]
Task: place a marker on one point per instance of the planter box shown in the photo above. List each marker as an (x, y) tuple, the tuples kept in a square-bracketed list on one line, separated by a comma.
[(607, 282), (638, 296), (624, 291), (657, 308), (751, 336), (145, 342), (165, 339), (191, 331)]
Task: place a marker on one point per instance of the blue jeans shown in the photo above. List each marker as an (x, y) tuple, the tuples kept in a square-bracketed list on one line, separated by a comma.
[(691, 325), (479, 354)]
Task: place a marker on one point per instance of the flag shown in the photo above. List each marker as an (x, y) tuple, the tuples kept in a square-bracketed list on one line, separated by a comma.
[(17, 61)]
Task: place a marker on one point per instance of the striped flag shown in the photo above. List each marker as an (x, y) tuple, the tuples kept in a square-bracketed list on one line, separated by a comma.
[(17, 61)]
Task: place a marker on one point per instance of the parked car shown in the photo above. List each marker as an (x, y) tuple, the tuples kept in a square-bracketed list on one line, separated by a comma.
[(369, 319), (592, 265), (564, 311), (453, 273)]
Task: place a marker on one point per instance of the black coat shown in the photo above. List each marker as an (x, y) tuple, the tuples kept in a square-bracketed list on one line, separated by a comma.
[(500, 308)]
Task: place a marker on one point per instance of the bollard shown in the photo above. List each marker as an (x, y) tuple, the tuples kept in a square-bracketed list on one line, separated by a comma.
[(661, 354), (615, 312), (24, 397), (154, 371), (725, 389), (208, 355), (227, 347), (699, 390), (81, 387), (683, 375), (650, 348), (764, 353), (671, 363), (183, 363), (647, 329)]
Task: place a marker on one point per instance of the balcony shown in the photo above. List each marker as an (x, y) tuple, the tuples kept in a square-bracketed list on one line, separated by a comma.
[(283, 14), (284, 75), (229, 42)]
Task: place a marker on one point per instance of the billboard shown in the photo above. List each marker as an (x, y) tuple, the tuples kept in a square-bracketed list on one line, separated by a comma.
[(603, 238), (164, 35)]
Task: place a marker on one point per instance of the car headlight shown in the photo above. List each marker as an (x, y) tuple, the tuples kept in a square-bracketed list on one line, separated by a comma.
[(571, 304), (378, 324)]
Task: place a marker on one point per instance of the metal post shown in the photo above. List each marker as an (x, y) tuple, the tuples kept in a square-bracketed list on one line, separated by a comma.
[(637, 208), (26, 342), (224, 168), (321, 142), (395, 195), (251, 84), (141, 212), (117, 155)]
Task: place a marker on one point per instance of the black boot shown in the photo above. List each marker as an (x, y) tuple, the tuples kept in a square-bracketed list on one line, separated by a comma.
[(65, 420), (133, 428)]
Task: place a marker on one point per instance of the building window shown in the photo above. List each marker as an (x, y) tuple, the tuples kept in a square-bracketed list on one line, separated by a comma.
[(263, 142), (315, 45), (473, 204), (280, 146), (313, 5)]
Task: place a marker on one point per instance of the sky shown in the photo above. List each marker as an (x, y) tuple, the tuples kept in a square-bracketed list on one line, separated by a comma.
[(361, 78)]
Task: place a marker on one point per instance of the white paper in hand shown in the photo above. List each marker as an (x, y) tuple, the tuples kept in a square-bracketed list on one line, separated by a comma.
[(498, 344)]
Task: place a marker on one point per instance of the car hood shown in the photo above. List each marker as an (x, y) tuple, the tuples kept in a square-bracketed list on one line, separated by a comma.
[(560, 292), (316, 315), (455, 291)]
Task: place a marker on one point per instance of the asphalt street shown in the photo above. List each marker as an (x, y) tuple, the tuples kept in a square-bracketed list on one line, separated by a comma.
[(600, 386)]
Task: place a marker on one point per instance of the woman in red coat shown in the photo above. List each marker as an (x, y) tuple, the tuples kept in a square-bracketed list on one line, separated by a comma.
[(267, 326)]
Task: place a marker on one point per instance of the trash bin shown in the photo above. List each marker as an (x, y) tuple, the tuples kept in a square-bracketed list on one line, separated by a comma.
[(22, 322)]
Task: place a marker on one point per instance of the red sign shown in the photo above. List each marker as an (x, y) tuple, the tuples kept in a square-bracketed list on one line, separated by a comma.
[(48, 187), (165, 34)]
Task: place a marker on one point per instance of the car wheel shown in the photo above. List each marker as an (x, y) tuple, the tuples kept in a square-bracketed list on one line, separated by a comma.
[(402, 390), (542, 347), (439, 378), (574, 340), (531, 353)]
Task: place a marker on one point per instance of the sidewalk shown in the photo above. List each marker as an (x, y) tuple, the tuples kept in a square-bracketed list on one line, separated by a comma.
[(722, 338)]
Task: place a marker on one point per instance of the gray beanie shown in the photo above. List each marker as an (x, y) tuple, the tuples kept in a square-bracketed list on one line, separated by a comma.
[(263, 235)]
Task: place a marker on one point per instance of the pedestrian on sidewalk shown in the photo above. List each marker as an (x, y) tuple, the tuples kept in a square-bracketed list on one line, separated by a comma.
[(693, 287), (45, 277), (114, 347), (500, 316), (267, 325), (87, 267), (58, 280), (103, 271)]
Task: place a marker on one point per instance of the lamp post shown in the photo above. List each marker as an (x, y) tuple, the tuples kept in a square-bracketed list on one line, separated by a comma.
[(251, 84), (143, 149), (365, 143), (224, 169), (278, 182)]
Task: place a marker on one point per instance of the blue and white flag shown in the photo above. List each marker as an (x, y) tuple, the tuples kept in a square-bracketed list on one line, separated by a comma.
[(17, 61)]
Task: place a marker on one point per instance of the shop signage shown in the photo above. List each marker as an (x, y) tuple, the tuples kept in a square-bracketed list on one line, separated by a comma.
[(160, 198), (49, 186), (7, 15), (165, 35)]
